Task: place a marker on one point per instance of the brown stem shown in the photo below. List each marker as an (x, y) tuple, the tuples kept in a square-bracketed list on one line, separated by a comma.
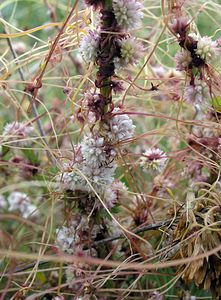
[(107, 51)]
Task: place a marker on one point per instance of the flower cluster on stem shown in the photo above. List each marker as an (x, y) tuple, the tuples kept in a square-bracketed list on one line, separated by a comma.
[(89, 179), (195, 55)]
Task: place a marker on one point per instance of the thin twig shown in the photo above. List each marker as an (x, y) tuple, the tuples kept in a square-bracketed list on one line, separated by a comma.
[(139, 230)]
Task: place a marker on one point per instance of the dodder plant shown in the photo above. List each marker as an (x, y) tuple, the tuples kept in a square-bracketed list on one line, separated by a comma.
[(91, 191), (121, 213)]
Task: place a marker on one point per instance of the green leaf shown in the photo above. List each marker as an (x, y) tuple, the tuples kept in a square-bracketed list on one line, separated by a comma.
[(31, 156), (115, 209), (216, 103), (41, 277), (4, 150)]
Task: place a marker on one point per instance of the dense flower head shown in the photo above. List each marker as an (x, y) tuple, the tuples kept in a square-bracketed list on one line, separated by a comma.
[(120, 188), (73, 181), (196, 93), (70, 238), (183, 59), (121, 127), (112, 193), (95, 152), (180, 25), (110, 196), (130, 52), (154, 159), (128, 13), (89, 46), (21, 202), (206, 47), (66, 238), (18, 133), (97, 167), (99, 176)]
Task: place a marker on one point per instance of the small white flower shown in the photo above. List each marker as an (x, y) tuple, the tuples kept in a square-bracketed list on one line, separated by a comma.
[(121, 127), (196, 93), (206, 48), (131, 51), (66, 238), (73, 181), (100, 177), (128, 13), (19, 47), (96, 175), (69, 239), (120, 188), (110, 197), (154, 159), (18, 133), (21, 202), (94, 151), (183, 59), (112, 193), (89, 46)]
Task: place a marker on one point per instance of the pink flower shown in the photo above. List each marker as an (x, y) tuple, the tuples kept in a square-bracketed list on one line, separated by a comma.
[(183, 59), (154, 159), (180, 25), (196, 93)]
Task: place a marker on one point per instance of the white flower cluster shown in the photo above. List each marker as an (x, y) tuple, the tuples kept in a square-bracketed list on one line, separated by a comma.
[(154, 159), (197, 93), (73, 181), (18, 133), (94, 152), (206, 48), (96, 168), (183, 59), (22, 203), (66, 238), (69, 239), (89, 46), (131, 50), (121, 127), (113, 192), (128, 13)]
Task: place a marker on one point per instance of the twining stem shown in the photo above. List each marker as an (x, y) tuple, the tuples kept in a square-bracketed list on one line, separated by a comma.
[(21, 74)]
